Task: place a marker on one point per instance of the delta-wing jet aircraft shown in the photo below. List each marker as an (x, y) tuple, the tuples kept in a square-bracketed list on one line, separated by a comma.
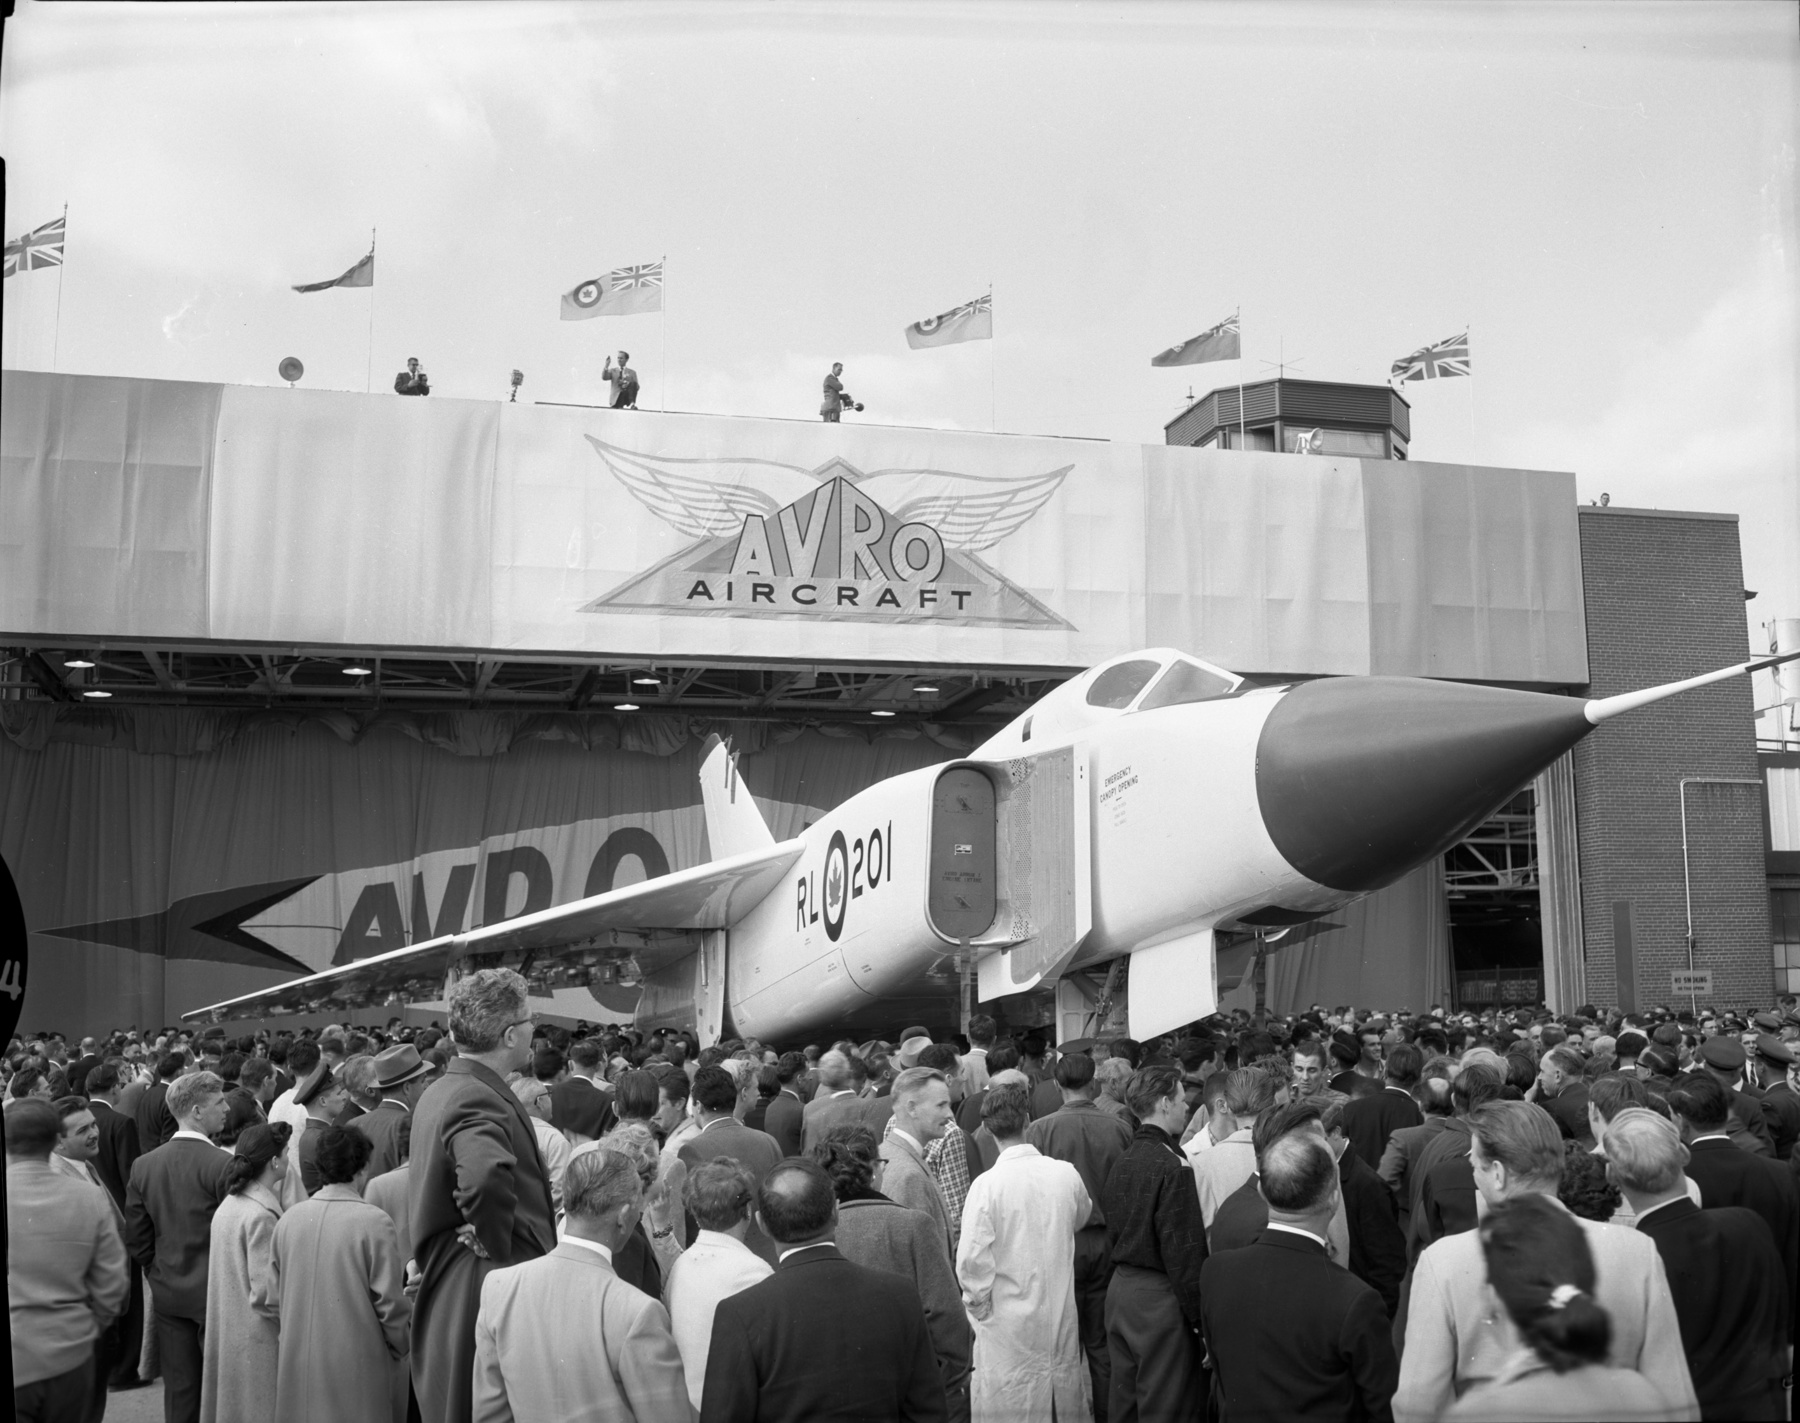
[(1149, 807)]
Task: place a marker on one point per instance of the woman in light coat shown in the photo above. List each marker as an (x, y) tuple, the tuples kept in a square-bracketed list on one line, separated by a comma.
[(237, 1374), (339, 1278)]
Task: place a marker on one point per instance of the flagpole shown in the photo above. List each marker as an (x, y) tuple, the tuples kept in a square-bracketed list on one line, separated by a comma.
[(369, 361), (1468, 345), (1239, 314), (993, 398), (662, 308), (56, 329)]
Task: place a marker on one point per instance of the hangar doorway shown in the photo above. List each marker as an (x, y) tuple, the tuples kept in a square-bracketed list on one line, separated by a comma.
[(1496, 920)]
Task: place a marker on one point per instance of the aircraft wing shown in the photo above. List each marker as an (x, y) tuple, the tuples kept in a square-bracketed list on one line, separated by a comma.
[(634, 931)]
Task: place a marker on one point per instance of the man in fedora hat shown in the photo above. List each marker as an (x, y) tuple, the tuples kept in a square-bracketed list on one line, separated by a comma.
[(401, 1076)]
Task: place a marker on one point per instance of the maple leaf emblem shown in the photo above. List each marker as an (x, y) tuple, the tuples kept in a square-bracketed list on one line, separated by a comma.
[(834, 884)]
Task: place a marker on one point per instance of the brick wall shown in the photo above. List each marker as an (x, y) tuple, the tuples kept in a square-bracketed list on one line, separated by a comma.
[(1664, 600)]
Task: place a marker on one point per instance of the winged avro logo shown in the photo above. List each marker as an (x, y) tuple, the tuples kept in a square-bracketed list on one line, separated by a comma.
[(778, 540)]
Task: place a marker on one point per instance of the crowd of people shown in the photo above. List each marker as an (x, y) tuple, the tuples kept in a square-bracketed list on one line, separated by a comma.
[(1335, 1214)]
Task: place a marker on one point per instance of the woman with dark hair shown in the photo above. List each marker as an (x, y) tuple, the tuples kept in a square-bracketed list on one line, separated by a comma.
[(339, 1278), (635, 1099), (851, 1156), (1541, 1283), (875, 1232), (1585, 1189), (237, 1370)]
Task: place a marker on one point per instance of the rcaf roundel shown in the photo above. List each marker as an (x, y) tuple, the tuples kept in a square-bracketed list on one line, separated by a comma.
[(589, 293), (928, 325)]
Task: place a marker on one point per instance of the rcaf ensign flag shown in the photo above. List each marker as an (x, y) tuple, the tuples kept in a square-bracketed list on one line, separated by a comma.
[(972, 321), (625, 291)]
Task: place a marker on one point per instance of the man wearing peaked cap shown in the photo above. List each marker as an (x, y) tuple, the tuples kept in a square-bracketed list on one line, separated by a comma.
[(1346, 1053), (1767, 1022), (1781, 1107), (1722, 1057), (1723, 1053), (323, 1094), (401, 1077)]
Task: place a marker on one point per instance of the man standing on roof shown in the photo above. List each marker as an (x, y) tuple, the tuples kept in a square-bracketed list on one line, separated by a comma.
[(837, 399), (624, 382)]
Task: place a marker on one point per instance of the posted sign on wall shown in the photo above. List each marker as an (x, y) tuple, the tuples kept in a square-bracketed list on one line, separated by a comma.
[(1691, 983)]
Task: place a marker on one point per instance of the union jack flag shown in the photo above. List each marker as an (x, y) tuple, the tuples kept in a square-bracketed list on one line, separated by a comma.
[(41, 247), (1449, 357), (648, 275)]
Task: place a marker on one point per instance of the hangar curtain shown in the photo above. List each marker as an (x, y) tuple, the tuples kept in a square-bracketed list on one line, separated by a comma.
[(156, 882), (1392, 950)]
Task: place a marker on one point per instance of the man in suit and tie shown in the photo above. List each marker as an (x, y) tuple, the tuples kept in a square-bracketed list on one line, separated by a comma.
[(715, 1095), (117, 1154), (118, 1148), (564, 1337), (401, 1077), (838, 1107), (1770, 1059), (1453, 1337), (1093, 1142), (1289, 1333), (480, 1197), (1370, 1120), (581, 1107), (1724, 1272), (1722, 1058), (821, 1340), (921, 1113), (248, 1101), (1157, 1238), (169, 1207), (155, 1123), (1561, 1090), (1729, 1175), (1404, 1147), (783, 1119)]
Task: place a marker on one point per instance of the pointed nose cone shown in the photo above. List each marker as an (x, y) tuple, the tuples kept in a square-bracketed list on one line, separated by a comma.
[(1362, 778)]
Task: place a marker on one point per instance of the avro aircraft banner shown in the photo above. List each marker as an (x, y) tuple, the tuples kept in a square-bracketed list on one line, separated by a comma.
[(182, 511)]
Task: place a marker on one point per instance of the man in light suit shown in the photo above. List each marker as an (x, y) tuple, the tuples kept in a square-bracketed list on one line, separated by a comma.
[(839, 1107), (715, 1096), (821, 1340), (564, 1337), (921, 1113), (720, 1196), (66, 1276), (1452, 1338)]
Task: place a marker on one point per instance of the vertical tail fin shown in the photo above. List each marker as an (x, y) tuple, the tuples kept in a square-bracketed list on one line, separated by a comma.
[(734, 826)]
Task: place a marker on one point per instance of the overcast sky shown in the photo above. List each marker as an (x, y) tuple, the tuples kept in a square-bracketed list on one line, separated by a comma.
[(1603, 193)]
